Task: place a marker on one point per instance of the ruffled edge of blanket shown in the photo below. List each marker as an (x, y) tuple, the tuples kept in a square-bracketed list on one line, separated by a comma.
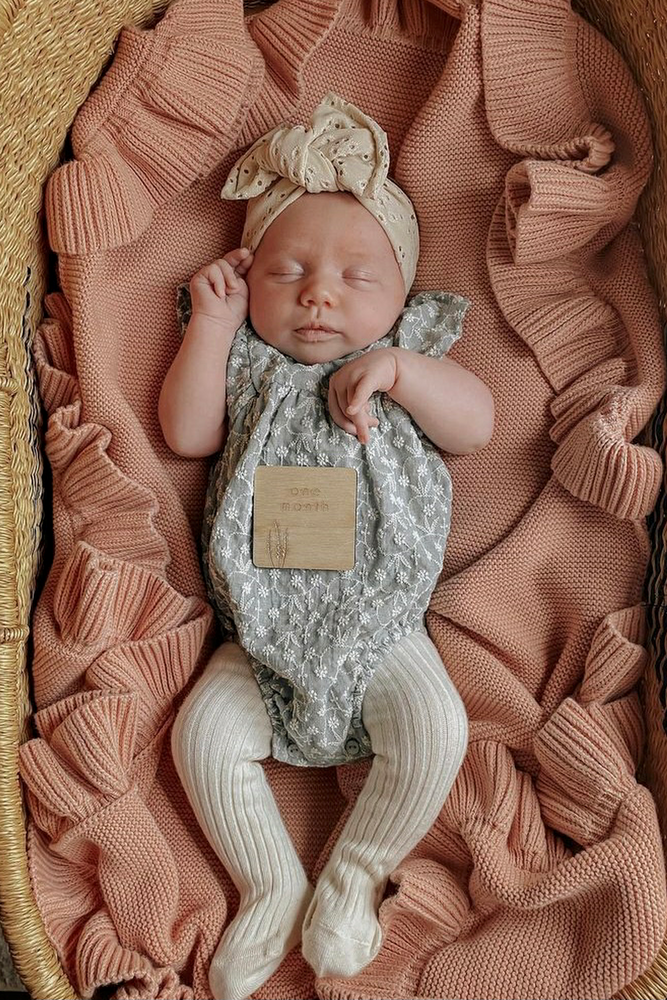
[(130, 642), (505, 831), (571, 197), (167, 108)]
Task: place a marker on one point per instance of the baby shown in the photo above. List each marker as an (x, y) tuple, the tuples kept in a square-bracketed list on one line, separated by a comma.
[(300, 351)]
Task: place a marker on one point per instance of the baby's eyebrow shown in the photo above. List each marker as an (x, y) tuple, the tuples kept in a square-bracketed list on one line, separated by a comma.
[(294, 255), (359, 255), (282, 257)]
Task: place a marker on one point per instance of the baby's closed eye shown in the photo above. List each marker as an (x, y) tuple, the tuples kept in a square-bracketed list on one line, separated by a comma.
[(365, 276), (286, 273)]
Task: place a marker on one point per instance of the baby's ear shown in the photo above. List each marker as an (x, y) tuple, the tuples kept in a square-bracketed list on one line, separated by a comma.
[(183, 307)]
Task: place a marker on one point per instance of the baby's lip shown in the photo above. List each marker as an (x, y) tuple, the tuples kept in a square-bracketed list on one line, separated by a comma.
[(315, 331)]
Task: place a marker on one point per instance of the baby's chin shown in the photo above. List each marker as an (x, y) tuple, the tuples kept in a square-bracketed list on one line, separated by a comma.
[(316, 354)]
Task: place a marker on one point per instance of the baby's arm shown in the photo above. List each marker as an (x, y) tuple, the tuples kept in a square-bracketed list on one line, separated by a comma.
[(452, 406), (192, 405)]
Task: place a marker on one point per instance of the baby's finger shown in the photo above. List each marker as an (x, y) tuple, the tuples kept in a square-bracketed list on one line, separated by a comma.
[(360, 394), (342, 421), (211, 276), (236, 257), (373, 421), (361, 422), (336, 411), (231, 279), (219, 281), (222, 276), (244, 266)]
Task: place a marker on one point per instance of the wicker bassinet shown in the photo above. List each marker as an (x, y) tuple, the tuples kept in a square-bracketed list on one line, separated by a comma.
[(50, 56)]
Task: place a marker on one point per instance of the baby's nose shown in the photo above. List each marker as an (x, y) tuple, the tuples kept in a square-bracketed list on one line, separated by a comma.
[(317, 292)]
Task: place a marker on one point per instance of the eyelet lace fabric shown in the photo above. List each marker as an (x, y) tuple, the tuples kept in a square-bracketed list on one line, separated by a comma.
[(342, 150), (314, 637)]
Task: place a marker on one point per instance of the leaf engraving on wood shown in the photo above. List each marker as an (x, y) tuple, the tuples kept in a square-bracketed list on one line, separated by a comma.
[(277, 545)]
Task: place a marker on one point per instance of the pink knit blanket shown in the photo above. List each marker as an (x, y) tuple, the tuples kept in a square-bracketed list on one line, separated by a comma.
[(522, 139)]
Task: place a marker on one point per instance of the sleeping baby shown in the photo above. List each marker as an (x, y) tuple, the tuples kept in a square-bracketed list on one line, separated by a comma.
[(300, 357)]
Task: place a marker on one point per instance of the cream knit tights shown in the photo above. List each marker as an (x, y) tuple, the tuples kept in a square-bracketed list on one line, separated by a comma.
[(418, 729), (221, 731)]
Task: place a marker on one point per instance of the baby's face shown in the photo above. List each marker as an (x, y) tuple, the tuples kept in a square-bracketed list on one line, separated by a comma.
[(324, 281)]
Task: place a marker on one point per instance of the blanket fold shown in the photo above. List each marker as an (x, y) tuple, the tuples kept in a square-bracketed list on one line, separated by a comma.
[(166, 111), (569, 299), (131, 641), (523, 142)]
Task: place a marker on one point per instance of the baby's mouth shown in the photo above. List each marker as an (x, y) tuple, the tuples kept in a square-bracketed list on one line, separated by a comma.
[(315, 332)]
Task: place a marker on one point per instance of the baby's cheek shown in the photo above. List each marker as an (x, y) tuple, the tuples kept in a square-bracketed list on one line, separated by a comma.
[(263, 310), (380, 316)]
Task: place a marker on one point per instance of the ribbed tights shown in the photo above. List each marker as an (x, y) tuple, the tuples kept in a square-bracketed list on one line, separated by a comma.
[(418, 728)]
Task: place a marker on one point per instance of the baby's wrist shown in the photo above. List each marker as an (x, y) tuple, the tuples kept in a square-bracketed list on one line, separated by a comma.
[(397, 390), (206, 323), (397, 355)]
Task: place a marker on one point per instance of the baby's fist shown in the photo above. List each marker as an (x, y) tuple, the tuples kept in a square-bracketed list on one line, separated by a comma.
[(219, 292), (351, 387)]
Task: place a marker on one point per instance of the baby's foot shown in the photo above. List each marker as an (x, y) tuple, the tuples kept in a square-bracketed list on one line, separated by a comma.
[(341, 933), (255, 943)]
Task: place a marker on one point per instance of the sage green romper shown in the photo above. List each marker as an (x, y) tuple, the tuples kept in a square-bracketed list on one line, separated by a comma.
[(314, 637)]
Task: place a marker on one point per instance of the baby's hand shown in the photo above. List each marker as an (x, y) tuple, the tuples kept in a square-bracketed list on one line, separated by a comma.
[(351, 387), (219, 292)]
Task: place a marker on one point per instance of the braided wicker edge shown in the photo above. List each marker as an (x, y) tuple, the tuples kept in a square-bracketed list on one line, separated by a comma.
[(45, 41)]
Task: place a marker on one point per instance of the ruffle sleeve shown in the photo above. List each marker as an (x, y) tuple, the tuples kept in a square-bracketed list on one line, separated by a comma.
[(431, 323)]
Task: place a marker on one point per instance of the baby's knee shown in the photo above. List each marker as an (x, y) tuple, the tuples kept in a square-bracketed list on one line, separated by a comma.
[(223, 717), (191, 732), (202, 707), (454, 722), (452, 706), (440, 735), (441, 721)]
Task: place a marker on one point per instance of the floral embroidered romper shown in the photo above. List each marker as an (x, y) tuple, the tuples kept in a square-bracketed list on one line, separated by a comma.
[(314, 637)]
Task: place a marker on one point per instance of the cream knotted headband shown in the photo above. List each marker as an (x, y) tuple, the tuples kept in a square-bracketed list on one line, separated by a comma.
[(343, 150)]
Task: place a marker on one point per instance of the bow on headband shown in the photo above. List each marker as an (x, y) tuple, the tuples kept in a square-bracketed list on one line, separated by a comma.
[(343, 150)]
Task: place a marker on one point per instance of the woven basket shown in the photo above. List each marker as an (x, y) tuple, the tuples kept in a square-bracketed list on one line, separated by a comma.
[(50, 56)]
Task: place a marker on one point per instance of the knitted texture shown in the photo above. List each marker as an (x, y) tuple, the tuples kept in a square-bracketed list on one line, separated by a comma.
[(521, 139)]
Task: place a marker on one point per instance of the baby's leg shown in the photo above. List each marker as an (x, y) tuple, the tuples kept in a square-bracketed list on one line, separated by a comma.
[(418, 728), (220, 733)]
